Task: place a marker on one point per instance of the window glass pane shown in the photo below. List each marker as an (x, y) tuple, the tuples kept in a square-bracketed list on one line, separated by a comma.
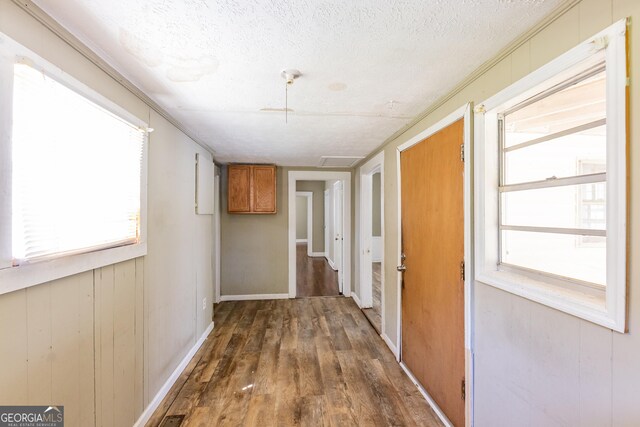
[(581, 103), (562, 157), (571, 206), (76, 170), (560, 254)]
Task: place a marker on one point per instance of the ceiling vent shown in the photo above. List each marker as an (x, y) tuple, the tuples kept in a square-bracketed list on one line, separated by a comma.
[(339, 161)]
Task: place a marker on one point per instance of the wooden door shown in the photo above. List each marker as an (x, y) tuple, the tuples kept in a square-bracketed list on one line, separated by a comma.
[(433, 287), (264, 189), (239, 188)]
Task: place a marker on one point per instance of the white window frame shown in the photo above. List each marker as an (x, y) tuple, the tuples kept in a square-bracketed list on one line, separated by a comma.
[(30, 274), (610, 312)]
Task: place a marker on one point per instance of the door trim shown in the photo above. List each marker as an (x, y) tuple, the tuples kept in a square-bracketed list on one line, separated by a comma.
[(345, 177), (364, 241), (327, 255), (216, 222), (464, 112)]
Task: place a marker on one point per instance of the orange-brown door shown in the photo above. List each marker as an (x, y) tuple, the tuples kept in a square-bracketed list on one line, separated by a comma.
[(433, 287)]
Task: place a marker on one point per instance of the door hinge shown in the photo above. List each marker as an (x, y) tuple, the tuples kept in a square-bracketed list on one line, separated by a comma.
[(463, 392), (462, 152), (462, 274)]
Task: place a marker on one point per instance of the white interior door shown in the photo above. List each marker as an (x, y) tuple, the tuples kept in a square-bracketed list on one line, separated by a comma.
[(366, 274), (327, 222), (338, 230)]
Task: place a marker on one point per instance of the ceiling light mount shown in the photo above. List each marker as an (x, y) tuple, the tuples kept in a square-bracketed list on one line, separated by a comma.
[(290, 74)]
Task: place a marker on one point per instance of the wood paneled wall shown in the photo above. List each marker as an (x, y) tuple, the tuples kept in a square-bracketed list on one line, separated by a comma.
[(52, 349)]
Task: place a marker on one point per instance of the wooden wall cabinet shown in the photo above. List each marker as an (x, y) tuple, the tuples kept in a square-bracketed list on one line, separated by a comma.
[(251, 189)]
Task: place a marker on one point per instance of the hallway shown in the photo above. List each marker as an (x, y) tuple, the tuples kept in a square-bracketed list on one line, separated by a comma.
[(314, 275), (307, 362)]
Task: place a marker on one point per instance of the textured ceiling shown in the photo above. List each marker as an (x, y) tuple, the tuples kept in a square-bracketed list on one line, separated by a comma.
[(368, 67)]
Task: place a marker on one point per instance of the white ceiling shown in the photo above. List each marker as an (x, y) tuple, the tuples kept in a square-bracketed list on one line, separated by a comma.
[(214, 65)]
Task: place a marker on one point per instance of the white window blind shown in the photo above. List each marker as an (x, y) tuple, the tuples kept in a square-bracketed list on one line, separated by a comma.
[(76, 171)]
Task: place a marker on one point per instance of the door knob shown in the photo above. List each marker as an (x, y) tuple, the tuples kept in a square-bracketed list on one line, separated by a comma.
[(401, 268)]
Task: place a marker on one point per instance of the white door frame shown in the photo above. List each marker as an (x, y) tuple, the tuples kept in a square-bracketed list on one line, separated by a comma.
[(338, 231), (365, 258), (345, 177), (464, 112), (309, 196), (216, 227), (327, 255)]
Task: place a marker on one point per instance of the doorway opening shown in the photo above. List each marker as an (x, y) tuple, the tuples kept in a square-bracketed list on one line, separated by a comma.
[(319, 233), (316, 275), (371, 258)]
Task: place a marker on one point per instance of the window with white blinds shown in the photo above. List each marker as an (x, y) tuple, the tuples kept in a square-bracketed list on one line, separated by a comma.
[(76, 171)]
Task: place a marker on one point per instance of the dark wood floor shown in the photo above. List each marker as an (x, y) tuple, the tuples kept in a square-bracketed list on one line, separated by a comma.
[(315, 277), (298, 362), (374, 313)]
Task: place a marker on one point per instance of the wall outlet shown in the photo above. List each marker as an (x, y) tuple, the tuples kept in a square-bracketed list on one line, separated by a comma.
[(204, 303)]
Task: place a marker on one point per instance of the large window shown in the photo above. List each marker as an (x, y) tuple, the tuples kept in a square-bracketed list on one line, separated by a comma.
[(550, 198), (551, 162), (73, 170), (76, 171)]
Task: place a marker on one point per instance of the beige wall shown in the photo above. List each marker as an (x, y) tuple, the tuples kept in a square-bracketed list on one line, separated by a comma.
[(301, 217), (535, 365), (317, 188), (253, 248), (103, 342)]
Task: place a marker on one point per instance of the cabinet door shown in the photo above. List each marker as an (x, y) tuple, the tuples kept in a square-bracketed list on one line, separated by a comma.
[(264, 189), (239, 188)]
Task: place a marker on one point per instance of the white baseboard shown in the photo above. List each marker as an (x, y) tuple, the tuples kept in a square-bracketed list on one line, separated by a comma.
[(302, 241), (317, 254), (331, 264), (391, 345), (153, 405), (429, 399), (251, 297), (356, 299)]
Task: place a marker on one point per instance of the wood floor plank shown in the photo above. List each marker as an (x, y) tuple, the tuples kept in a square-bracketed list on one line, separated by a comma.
[(267, 372), (303, 362), (362, 398), (262, 411), (237, 395)]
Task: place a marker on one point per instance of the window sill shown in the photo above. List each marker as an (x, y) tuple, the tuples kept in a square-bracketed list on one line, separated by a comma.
[(575, 303), (24, 276)]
